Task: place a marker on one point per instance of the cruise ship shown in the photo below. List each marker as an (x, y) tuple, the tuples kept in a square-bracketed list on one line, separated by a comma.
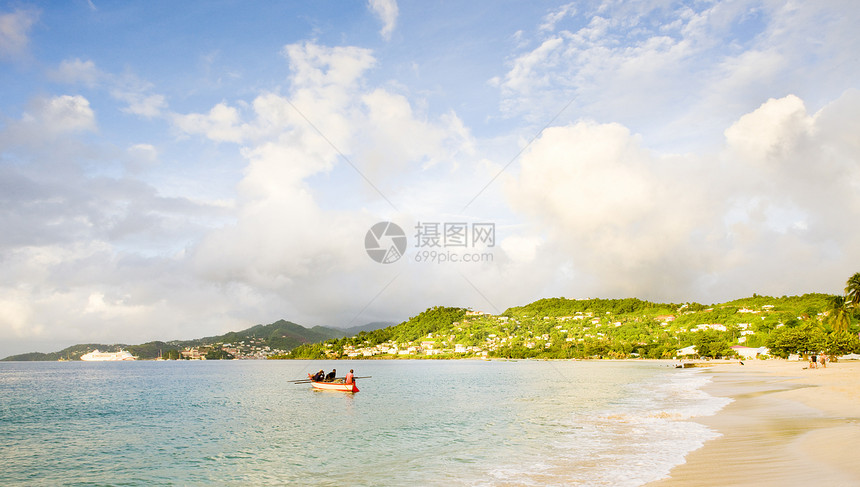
[(96, 356)]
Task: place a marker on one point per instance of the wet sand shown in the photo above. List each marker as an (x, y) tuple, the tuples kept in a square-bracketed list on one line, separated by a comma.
[(786, 426)]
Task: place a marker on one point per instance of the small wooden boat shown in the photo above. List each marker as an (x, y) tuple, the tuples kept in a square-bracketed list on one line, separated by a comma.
[(334, 386)]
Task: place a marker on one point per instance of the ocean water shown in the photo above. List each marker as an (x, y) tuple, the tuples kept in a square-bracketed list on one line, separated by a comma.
[(413, 423)]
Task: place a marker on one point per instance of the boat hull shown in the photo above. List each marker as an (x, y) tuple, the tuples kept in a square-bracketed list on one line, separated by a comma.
[(96, 356), (335, 386)]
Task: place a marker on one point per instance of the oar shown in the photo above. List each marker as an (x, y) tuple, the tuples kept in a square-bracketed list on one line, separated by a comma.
[(308, 381)]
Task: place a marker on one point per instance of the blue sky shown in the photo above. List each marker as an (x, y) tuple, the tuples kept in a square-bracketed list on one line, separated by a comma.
[(170, 172)]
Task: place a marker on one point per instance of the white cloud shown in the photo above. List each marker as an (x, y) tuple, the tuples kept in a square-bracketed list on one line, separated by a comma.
[(522, 77), (74, 71), (221, 124), (681, 74), (771, 132), (141, 156), (16, 314), (137, 95), (71, 232), (387, 12), (636, 222), (521, 249), (147, 152), (60, 114), (316, 66), (14, 31), (389, 117), (147, 106), (284, 242), (608, 204), (553, 18)]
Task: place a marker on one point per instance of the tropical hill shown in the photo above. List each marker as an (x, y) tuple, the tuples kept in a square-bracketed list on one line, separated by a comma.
[(257, 341), (607, 328), (547, 328)]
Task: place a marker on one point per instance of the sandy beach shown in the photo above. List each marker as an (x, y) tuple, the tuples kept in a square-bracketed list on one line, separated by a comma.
[(787, 425)]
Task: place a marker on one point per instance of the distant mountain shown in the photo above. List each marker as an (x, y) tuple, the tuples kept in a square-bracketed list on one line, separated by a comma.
[(69, 353), (280, 335), (375, 325)]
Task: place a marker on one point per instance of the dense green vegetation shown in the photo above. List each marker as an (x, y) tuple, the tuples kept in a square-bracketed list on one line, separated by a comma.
[(427, 322), (565, 307), (614, 328), (280, 335)]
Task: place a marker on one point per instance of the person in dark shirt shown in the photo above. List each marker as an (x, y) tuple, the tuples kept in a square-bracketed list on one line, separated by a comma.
[(331, 375), (319, 376)]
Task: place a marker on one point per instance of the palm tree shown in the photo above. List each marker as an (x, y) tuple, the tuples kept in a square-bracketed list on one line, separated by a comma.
[(852, 290), (838, 314)]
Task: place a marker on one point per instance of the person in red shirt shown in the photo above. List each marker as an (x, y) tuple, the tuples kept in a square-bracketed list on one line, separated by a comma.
[(349, 377)]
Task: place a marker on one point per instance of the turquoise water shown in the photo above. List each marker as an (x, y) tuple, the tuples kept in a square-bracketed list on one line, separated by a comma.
[(414, 422)]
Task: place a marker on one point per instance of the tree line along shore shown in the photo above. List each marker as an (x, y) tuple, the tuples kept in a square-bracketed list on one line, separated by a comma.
[(560, 328)]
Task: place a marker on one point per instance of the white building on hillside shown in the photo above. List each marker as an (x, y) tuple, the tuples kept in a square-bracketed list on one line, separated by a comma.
[(687, 351)]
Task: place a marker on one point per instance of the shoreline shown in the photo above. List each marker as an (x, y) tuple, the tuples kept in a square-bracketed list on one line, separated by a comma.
[(786, 426)]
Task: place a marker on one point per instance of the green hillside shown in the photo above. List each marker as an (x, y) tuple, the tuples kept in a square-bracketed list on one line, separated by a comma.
[(281, 335), (69, 353), (547, 328), (605, 328)]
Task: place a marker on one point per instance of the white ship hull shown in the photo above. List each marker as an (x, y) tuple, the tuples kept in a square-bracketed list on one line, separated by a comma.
[(96, 356)]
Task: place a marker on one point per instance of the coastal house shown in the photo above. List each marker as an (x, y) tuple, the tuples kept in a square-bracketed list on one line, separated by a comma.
[(687, 351), (710, 326)]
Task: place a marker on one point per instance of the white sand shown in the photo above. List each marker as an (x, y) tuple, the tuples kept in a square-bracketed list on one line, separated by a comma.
[(787, 426)]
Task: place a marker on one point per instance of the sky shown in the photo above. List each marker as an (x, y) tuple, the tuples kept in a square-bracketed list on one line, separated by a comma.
[(171, 171)]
